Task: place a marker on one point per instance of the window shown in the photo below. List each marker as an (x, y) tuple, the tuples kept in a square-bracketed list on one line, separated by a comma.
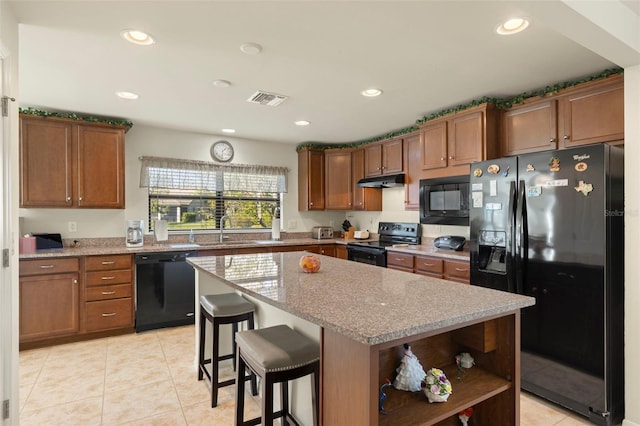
[(196, 194)]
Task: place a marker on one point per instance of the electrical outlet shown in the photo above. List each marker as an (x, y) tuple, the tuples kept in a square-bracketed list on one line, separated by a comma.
[(73, 226), (292, 224)]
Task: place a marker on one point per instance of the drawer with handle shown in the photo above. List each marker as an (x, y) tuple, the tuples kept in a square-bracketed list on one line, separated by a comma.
[(400, 259), (109, 277), (49, 266), (107, 314), (459, 271), (108, 292), (429, 264), (102, 263)]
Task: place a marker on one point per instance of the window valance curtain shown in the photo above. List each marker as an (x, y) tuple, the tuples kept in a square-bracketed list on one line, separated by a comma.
[(175, 173)]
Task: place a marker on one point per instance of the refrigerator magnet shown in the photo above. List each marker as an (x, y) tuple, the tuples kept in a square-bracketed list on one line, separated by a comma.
[(530, 168), (476, 198), (581, 166), (493, 169), (534, 191), (554, 164), (506, 172), (583, 187), (477, 172)]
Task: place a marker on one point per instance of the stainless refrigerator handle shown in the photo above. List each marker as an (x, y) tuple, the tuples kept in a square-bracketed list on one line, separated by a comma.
[(520, 238), (510, 242)]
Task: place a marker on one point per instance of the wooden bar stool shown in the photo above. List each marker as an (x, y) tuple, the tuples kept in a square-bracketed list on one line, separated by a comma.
[(276, 354), (219, 309)]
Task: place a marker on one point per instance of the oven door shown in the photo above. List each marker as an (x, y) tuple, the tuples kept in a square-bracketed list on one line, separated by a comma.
[(372, 255)]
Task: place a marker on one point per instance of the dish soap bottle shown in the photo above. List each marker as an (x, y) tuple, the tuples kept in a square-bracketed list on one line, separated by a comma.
[(192, 237)]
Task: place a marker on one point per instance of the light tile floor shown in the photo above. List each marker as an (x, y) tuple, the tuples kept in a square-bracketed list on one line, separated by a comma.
[(149, 379)]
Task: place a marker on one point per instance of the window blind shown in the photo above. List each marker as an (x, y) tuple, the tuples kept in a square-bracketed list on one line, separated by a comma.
[(174, 173)]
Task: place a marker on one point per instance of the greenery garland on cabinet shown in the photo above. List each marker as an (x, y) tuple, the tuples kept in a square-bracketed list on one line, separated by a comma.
[(498, 102), (73, 116)]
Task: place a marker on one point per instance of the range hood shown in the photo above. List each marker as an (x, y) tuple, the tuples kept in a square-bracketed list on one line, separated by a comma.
[(388, 181)]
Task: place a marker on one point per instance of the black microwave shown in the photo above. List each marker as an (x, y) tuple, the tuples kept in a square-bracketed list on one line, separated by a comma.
[(445, 201)]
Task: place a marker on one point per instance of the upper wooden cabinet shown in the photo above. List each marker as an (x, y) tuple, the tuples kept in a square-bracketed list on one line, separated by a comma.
[(530, 127), (590, 113), (310, 180), (383, 158), (64, 163), (338, 180), (412, 169), (369, 199), (456, 140)]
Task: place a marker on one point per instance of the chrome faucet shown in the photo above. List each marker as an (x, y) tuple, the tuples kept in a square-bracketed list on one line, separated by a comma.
[(222, 219)]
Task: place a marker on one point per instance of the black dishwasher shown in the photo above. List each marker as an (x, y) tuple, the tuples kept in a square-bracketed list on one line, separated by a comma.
[(165, 290)]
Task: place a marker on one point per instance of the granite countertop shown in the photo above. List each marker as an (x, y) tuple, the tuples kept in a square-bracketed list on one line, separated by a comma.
[(428, 249), (120, 248), (366, 303)]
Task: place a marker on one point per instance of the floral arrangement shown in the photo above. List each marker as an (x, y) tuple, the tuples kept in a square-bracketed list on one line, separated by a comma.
[(436, 385)]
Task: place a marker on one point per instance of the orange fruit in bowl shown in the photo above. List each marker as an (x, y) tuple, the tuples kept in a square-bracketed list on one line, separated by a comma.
[(309, 263)]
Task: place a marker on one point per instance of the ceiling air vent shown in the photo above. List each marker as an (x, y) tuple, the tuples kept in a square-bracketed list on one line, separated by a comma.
[(266, 98)]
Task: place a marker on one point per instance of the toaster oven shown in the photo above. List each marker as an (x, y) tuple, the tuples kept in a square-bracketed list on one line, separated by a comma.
[(321, 232)]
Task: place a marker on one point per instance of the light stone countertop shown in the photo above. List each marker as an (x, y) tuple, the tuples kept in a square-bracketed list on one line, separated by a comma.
[(366, 303)]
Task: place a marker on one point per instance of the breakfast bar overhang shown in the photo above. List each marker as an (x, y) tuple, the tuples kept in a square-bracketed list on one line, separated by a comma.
[(362, 315)]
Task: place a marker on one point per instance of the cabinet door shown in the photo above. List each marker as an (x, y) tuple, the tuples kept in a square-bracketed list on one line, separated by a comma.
[(341, 251), (413, 167), (400, 261), (466, 138), (363, 198), (338, 181), (592, 115), (434, 145), (392, 157), (373, 160), (310, 180), (48, 306), (100, 167), (45, 163), (529, 128)]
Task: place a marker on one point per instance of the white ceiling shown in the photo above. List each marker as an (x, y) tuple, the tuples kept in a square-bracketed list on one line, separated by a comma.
[(424, 55)]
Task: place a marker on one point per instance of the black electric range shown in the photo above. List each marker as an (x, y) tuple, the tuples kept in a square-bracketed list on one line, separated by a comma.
[(389, 233)]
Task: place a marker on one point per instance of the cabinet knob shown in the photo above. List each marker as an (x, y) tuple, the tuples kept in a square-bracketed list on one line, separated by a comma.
[(377, 168), (310, 204), (68, 198), (75, 281), (552, 140), (451, 157), (441, 158), (566, 137), (79, 198)]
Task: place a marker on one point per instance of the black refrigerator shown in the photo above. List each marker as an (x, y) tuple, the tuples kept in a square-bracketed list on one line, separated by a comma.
[(550, 225)]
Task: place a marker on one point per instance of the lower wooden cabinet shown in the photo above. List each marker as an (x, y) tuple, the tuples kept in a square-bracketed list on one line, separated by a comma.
[(49, 298), (341, 251), (448, 269), (108, 292)]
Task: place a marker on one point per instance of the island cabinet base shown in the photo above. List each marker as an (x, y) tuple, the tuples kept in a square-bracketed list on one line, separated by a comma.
[(353, 373)]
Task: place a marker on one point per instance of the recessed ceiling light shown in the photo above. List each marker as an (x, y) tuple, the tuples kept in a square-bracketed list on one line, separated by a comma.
[(251, 48), (371, 92), (127, 95), (137, 37), (513, 26), (222, 83), (302, 123), (228, 130)]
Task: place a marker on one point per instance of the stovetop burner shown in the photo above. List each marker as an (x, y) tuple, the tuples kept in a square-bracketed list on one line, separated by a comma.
[(391, 233)]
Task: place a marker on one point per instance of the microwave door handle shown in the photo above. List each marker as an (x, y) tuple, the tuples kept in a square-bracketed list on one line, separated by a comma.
[(510, 237)]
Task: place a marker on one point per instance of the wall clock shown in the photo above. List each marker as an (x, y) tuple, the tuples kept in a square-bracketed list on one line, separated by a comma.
[(222, 151)]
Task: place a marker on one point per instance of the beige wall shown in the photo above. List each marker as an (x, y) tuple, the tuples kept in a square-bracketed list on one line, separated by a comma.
[(144, 140)]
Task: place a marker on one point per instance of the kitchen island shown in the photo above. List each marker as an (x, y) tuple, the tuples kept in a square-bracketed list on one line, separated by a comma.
[(362, 314)]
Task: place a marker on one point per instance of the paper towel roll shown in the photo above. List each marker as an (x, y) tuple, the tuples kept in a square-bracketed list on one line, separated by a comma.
[(160, 230), (275, 229)]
